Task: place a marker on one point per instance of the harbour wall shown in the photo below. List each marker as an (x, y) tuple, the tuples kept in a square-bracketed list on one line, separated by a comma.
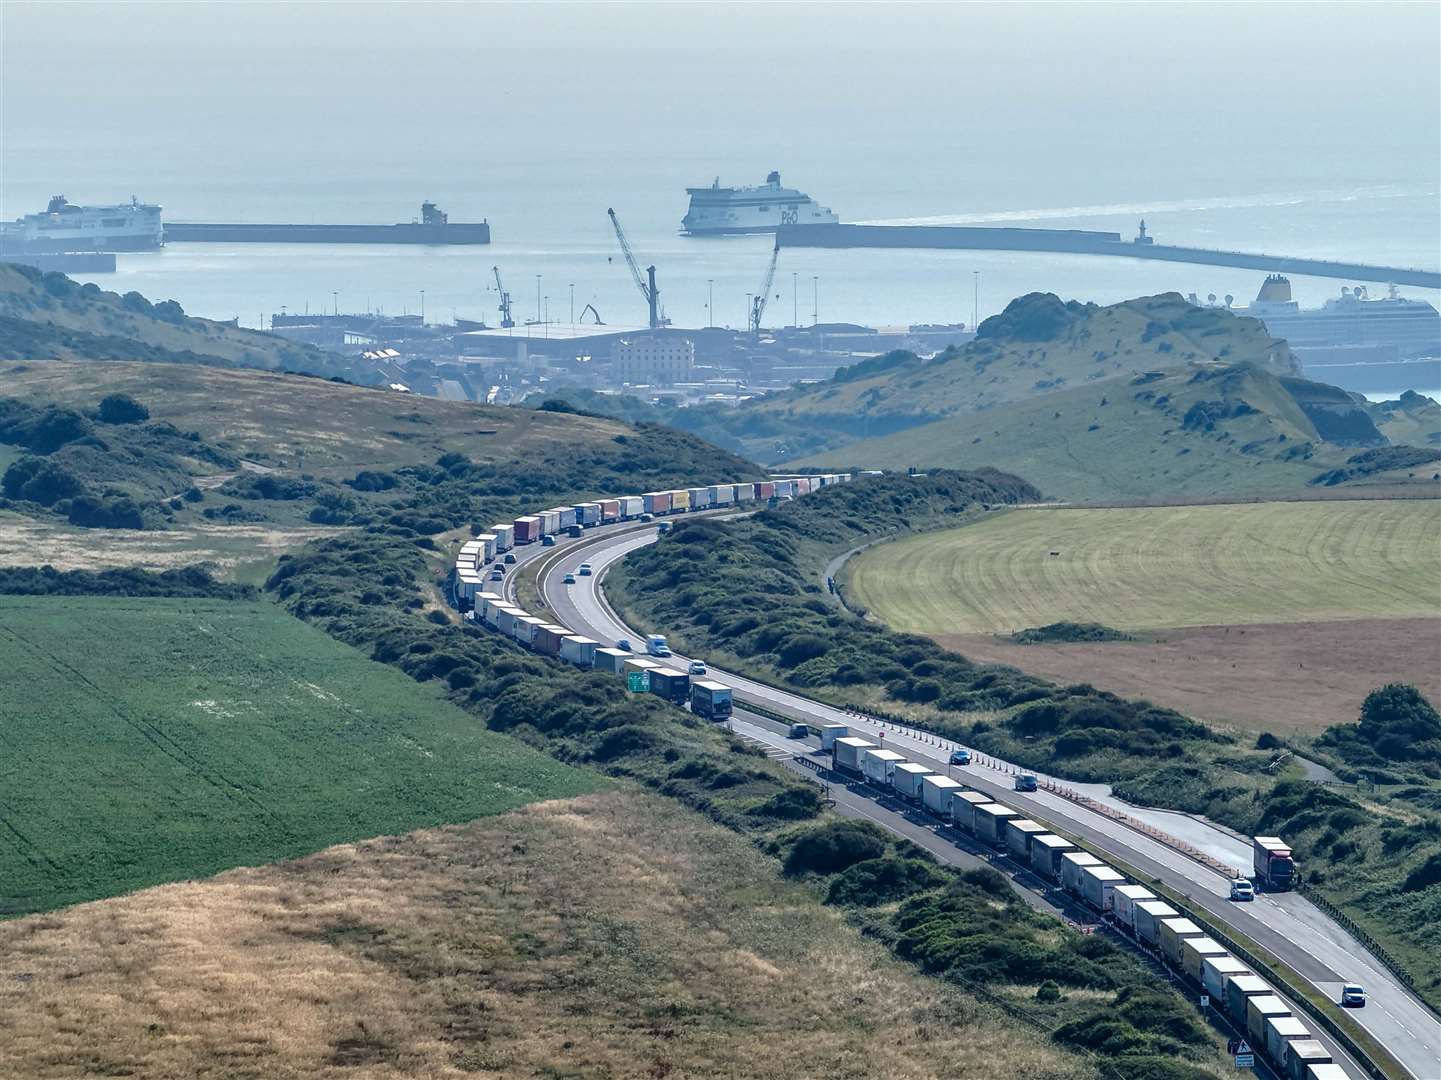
[(1081, 242), (194, 232)]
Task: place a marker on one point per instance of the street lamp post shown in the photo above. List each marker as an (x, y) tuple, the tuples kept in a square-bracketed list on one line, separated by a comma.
[(537, 298), (710, 304), (816, 299), (795, 300), (335, 299), (572, 303), (422, 307)]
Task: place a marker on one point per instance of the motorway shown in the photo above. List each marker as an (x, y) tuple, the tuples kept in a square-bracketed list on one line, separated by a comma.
[(1285, 924)]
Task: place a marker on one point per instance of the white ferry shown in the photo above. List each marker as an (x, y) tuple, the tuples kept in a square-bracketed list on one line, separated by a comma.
[(718, 211), (63, 227)]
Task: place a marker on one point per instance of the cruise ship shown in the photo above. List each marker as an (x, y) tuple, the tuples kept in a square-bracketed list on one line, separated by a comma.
[(1353, 341), (720, 211), (1411, 327), (65, 227)]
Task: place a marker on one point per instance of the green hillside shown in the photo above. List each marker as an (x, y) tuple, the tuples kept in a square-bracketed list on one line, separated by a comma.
[(241, 447), (47, 316), (158, 738), (1206, 429), (1037, 346), (1411, 420)]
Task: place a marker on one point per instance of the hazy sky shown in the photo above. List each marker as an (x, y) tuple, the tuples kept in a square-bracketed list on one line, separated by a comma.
[(1101, 96)]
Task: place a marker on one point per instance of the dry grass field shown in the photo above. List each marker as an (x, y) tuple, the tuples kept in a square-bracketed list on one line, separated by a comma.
[(1284, 678), (611, 935)]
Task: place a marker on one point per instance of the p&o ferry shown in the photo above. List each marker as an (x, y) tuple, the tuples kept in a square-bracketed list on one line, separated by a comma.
[(721, 211)]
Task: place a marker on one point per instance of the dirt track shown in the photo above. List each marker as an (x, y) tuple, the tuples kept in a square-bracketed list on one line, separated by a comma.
[(1282, 677)]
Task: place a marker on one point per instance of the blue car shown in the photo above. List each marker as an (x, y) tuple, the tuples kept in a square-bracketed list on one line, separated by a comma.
[(960, 757), (623, 645)]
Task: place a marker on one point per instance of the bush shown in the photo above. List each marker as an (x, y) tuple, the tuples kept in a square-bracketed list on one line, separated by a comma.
[(91, 512), (882, 881), (122, 409), (834, 846), (1048, 993), (40, 481)]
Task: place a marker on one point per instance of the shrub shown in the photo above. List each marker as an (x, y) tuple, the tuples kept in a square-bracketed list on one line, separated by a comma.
[(40, 481), (832, 847), (122, 408), (882, 881), (91, 512), (1048, 993)]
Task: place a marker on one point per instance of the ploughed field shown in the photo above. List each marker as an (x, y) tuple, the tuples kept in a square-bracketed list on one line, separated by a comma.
[(611, 935), (148, 740), (1278, 615)]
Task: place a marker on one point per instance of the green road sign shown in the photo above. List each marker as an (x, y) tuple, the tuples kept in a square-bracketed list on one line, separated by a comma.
[(638, 682)]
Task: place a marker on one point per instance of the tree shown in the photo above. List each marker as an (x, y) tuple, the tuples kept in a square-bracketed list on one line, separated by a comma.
[(122, 409), (1398, 721), (39, 481)]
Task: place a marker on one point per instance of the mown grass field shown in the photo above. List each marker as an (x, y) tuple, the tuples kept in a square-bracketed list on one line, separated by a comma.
[(149, 740), (1161, 567), (615, 935)]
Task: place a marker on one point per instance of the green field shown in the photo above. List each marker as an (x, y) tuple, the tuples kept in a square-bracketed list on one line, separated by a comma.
[(1158, 567), (152, 740)]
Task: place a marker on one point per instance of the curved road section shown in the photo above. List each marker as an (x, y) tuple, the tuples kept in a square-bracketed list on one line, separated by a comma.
[(1285, 924)]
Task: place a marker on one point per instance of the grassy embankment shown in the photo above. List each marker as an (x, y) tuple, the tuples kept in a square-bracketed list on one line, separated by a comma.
[(47, 316), (708, 585)]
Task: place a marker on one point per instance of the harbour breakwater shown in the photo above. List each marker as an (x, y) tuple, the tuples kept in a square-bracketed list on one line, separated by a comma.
[(1084, 242)]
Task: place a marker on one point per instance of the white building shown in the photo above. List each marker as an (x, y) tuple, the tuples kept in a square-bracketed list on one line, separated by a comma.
[(652, 358)]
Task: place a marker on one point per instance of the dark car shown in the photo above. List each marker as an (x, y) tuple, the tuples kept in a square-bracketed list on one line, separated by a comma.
[(547, 540), (510, 558)]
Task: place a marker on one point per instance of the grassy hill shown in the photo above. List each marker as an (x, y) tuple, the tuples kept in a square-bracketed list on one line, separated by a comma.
[(1036, 347), (1411, 420), (150, 739), (242, 447), (50, 317), (1209, 429)]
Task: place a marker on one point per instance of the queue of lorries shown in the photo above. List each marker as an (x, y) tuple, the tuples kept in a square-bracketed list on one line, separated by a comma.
[(1228, 984), (1226, 981), (483, 559)]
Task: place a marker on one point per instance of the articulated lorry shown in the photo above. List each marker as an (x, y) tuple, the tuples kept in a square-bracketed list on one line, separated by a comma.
[(1272, 864), (711, 700)]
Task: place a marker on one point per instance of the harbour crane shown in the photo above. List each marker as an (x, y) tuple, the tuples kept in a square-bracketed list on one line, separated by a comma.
[(648, 290), (758, 305), (506, 321)]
